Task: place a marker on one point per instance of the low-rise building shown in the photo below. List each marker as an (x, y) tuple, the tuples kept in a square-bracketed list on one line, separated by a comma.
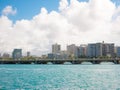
[(51, 56), (6, 55), (28, 54)]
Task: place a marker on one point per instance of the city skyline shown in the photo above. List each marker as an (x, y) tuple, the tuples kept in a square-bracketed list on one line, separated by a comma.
[(65, 22), (98, 49)]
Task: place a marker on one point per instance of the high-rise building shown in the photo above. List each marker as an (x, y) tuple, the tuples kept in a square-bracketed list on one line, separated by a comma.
[(105, 49), (82, 50), (111, 50), (98, 49), (17, 54), (108, 49), (91, 50), (118, 52), (56, 48), (72, 50)]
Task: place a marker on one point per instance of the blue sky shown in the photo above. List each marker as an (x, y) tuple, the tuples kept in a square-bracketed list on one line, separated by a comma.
[(26, 9)]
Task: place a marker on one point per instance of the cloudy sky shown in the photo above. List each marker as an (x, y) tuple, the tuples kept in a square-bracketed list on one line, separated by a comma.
[(34, 25)]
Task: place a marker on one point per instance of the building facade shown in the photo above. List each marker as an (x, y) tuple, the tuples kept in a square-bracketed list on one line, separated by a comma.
[(91, 50), (6, 55), (28, 54), (72, 50), (63, 54), (108, 49), (82, 51), (51, 56), (56, 48), (17, 54), (118, 52), (99, 49)]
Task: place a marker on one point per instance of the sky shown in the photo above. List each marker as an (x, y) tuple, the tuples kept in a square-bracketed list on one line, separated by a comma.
[(34, 25)]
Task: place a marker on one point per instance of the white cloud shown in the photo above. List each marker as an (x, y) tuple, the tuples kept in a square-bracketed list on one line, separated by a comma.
[(63, 4), (9, 10), (76, 22)]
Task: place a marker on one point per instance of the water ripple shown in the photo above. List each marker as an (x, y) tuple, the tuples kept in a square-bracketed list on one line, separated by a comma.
[(60, 77)]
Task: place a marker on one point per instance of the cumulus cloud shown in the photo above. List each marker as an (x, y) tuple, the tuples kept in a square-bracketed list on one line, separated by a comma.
[(63, 4), (75, 22), (9, 10)]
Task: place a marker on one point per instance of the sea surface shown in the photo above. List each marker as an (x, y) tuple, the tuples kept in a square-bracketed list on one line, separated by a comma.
[(59, 77)]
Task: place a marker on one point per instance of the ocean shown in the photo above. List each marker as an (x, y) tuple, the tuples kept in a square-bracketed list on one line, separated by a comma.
[(59, 77)]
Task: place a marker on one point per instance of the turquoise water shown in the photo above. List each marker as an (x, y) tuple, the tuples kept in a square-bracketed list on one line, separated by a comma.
[(59, 77)]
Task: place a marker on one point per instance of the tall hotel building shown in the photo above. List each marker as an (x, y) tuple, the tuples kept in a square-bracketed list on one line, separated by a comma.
[(108, 49), (82, 50), (72, 50), (56, 48), (100, 49), (91, 50), (118, 51)]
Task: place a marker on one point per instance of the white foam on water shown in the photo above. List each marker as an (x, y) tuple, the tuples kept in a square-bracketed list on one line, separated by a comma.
[(32, 63), (49, 63), (67, 63), (86, 63), (107, 63)]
